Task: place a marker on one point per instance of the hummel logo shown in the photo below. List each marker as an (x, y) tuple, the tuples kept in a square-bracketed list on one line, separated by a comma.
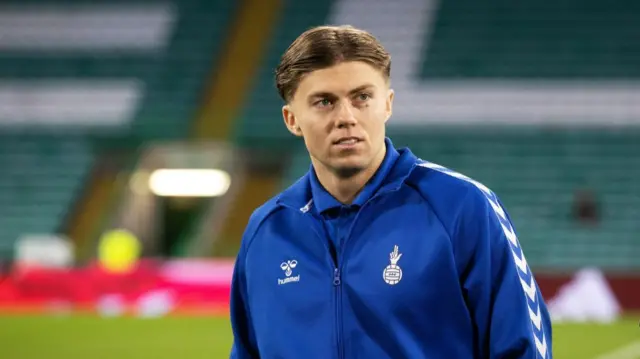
[(288, 267)]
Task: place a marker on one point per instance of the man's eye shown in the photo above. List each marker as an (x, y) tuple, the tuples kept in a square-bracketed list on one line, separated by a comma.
[(363, 96), (324, 102)]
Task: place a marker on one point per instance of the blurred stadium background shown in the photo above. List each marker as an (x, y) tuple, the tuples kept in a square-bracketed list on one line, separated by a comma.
[(147, 131)]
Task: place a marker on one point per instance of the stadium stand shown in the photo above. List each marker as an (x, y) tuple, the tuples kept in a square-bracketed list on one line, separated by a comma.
[(174, 91), (155, 64), (39, 178), (501, 39)]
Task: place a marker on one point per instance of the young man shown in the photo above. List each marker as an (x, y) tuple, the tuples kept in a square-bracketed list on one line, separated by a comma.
[(375, 253)]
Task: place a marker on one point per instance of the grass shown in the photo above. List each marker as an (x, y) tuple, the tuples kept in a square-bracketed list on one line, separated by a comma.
[(586, 341), (82, 337)]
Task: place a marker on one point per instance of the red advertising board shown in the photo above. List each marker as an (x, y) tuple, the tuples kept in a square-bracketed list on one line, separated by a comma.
[(187, 286)]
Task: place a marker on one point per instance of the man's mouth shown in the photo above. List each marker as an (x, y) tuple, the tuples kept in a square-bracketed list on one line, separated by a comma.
[(347, 141)]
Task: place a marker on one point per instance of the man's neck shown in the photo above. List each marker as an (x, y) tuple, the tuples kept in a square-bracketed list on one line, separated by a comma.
[(345, 190)]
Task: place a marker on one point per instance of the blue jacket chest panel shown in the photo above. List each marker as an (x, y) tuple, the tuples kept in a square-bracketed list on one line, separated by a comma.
[(397, 274)]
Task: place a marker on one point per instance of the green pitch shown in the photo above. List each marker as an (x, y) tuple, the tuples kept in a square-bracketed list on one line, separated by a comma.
[(84, 337)]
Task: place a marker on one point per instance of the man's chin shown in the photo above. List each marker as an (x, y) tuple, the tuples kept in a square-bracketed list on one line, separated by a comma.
[(348, 170)]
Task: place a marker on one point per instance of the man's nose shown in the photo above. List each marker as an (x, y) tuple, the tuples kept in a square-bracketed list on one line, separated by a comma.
[(344, 115)]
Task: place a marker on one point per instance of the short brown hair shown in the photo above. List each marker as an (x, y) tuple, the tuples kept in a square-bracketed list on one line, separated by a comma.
[(324, 46)]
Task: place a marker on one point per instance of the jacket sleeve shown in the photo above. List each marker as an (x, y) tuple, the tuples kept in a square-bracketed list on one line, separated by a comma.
[(244, 343), (507, 308)]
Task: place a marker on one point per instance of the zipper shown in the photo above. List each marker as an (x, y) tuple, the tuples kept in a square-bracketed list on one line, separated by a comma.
[(337, 266), (337, 278), (334, 264), (338, 296)]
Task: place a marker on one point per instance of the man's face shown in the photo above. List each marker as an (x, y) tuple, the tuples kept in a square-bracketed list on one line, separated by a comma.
[(341, 113)]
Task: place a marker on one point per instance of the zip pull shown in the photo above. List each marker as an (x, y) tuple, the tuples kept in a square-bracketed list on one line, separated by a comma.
[(336, 276)]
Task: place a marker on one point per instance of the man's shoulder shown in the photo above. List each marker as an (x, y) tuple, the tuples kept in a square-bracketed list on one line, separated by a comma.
[(455, 198), (260, 214), (447, 189), (265, 211)]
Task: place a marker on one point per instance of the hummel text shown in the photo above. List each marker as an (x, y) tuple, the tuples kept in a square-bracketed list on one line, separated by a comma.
[(289, 280)]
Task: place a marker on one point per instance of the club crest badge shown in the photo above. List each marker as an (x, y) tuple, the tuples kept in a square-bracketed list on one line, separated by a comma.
[(393, 273)]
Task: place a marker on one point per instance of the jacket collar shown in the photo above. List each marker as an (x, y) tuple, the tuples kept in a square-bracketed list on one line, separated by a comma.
[(324, 201), (300, 195)]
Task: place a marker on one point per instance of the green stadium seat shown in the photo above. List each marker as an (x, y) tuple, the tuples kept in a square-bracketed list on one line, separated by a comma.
[(41, 177), (520, 39)]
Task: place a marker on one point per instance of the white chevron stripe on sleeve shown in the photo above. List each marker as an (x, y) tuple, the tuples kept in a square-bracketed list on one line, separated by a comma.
[(498, 209), (541, 345), (511, 236), (521, 263), (536, 318), (529, 289), (526, 278)]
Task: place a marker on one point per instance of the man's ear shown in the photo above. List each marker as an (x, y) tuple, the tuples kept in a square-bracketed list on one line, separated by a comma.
[(389, 104), (290, 121)]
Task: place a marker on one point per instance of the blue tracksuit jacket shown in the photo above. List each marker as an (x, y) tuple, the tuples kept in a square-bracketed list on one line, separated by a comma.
[(429, 267)]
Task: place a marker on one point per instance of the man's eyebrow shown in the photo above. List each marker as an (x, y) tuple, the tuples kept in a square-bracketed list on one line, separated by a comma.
[(361, 88), (321, 94), (351, 92)]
